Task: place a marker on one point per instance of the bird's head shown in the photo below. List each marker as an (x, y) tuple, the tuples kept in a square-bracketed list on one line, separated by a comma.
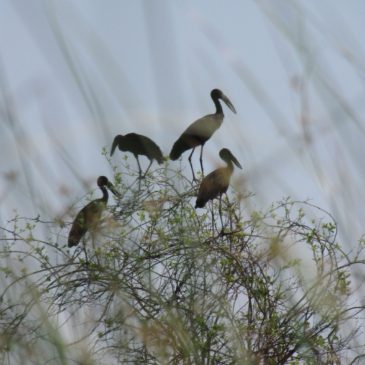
[(103, 181), (218, 94), (226, 155), (116, 141)]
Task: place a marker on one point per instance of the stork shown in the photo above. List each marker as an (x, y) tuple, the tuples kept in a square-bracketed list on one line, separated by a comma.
[(216, 183), (198, 133), (89, 216), (138, 145)]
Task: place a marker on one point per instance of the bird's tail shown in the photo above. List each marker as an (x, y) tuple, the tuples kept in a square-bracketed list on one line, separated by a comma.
[(157, 154), (200, 203), (159, 159), (178, 149), (73, 241), (78, 229)]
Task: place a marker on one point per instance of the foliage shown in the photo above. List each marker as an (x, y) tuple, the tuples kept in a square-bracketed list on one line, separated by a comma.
[(164, 283)]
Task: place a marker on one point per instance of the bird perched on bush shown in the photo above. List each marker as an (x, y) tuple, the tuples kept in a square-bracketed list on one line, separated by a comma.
[(198, 133), (89, 216), (138, 145), (217, 182)]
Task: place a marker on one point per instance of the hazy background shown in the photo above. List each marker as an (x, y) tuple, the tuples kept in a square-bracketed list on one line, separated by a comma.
[(73, 74)]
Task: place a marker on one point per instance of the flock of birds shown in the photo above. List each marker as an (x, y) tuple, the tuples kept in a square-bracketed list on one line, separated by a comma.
[(197, 134)]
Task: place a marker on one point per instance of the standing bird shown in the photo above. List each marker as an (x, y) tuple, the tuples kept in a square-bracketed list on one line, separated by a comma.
[(201, 130), (138, 145), (217, 182), (89, 216)]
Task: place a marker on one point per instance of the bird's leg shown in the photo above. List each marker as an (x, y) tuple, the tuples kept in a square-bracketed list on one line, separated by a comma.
[(85, 252), (201, 159), (144, 175), (93, 237), (213, 221), (230, 210), (192, 170), (230, 206), (139, 167), (220, 212)]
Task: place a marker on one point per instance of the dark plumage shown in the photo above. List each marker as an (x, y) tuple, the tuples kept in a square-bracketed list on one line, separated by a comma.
[(89, 216), (217, 182), (201, 130), (138, 145)]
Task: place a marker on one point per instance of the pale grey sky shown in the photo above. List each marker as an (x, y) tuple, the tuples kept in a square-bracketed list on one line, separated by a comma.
[(77, 73)]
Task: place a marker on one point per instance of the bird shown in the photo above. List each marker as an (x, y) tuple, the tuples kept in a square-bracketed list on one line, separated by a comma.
[(89, 216), (138, 145), (216, 183), (198, 133)]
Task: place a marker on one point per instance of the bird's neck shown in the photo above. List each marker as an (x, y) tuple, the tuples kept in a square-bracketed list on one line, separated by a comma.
[(230, 167), (105, 194), (218, 106)]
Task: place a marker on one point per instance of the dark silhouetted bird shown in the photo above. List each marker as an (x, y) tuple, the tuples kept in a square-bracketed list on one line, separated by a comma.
[(89, 216), (217, 182), (201, 130), (138, 145)]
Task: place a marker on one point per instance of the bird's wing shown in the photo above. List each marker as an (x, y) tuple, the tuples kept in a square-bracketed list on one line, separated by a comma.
[(79, 228), (151, 149), (86, 219), (204, 127), (196, 134), (213, 184)]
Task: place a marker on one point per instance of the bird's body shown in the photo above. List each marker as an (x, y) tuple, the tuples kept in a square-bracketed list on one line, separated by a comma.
[(216, 183), (198, 133), (212, 185), (138, 145), (89, 216)]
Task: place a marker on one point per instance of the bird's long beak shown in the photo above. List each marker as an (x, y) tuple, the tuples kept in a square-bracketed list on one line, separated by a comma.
[(114, 146), (235, 161), (112, 188), (228, 103)]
